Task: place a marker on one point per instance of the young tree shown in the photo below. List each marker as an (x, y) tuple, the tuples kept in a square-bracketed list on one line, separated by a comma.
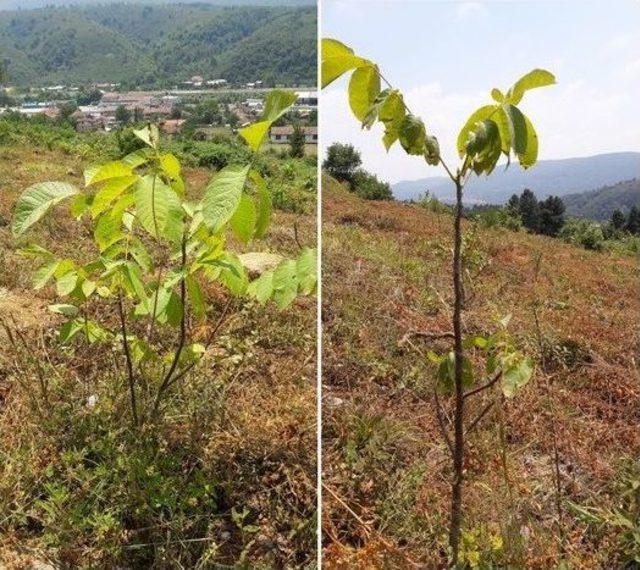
[(551, 216), (296, 143), (157, 246), (492, 131), (342, 161), (529, 212)]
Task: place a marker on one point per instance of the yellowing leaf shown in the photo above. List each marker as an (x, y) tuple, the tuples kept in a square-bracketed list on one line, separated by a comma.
[(364, 87)]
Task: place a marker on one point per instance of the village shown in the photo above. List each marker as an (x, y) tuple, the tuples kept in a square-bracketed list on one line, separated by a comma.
[(103, 107)]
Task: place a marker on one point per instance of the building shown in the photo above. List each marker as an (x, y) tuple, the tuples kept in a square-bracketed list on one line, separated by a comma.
[(282, 135), (88, 121), (171, 127), (307, 99)]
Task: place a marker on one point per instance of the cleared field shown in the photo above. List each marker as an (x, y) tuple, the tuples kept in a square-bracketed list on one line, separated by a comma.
[(386, 276)]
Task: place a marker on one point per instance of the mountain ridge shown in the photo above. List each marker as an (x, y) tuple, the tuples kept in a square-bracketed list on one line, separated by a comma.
[(558, 177)]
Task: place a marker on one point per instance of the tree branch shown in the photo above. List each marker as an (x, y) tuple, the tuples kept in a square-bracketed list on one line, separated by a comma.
[(485, 386)]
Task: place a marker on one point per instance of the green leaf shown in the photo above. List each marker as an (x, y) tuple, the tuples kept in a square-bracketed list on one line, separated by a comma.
[(44, 273), (233, 275), (337, 59), (364, 87), (484, 146), (149, 135), (391, 112), (158, 208), (243, 221), (109, 192), (516, 376), (222, 196), (107, 171), (80, 205), (471, 125), (431, 150), (530, 156), (306, 270), (70, 329), (532, 80), (136, 158), (412, 135), (517, 128), (36, 200), (195, 296), (107, 231), (66, 283), (447, 372), (66, 310), (497, 95), (277, 104), (170, 165), (262, 287), (263, 217)]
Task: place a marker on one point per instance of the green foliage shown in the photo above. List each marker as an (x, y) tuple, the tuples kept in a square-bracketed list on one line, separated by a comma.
[(297, 142), (342, 161), (504, 364), (160, 45), (624, 519), (584, 233), (367, 186), (156, 252)]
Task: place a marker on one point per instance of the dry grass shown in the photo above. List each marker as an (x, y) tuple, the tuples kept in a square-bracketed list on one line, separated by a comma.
[(386, 272)]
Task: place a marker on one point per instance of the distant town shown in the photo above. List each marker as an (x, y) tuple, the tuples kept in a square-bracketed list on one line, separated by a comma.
[(198, 104)]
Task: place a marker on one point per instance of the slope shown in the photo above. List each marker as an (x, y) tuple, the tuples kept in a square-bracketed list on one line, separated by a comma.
[(386, 276)]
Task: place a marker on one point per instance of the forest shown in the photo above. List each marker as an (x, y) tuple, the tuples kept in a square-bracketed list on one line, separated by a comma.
[(159, 46)]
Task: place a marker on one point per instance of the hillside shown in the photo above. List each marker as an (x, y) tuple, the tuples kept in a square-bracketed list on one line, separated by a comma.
[(599, 204), (30, 4), (386, 277), (159, 45), (549, 177)]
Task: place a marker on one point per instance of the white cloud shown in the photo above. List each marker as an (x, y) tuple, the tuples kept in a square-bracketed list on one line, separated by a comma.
[(466, 10)]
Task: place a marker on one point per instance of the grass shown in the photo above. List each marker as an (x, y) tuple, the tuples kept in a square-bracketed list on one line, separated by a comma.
[(386, 273), (228, 477)]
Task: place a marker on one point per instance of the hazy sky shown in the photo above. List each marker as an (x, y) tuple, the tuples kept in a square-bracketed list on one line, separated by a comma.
[(446, 56)]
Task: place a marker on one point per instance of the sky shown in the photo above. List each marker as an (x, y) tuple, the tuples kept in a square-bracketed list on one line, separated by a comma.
[(445, 56)]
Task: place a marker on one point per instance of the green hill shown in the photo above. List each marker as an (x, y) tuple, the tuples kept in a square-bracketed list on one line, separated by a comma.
[(599, 204), (159, 45)]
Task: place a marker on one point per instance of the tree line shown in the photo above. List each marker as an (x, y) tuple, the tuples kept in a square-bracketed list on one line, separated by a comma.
[(344, 162)]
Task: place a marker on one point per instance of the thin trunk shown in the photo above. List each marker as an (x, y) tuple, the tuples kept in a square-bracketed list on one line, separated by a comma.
[(458, 443), (166, 382), (127, 355)]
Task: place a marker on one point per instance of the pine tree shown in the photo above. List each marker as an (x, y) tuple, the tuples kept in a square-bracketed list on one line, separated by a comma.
[(633, 221), (551, 216), (618, 220), (529, 211)]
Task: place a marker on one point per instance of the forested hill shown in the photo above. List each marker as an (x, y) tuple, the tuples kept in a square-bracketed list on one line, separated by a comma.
[(159, 45), (599, 204)]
